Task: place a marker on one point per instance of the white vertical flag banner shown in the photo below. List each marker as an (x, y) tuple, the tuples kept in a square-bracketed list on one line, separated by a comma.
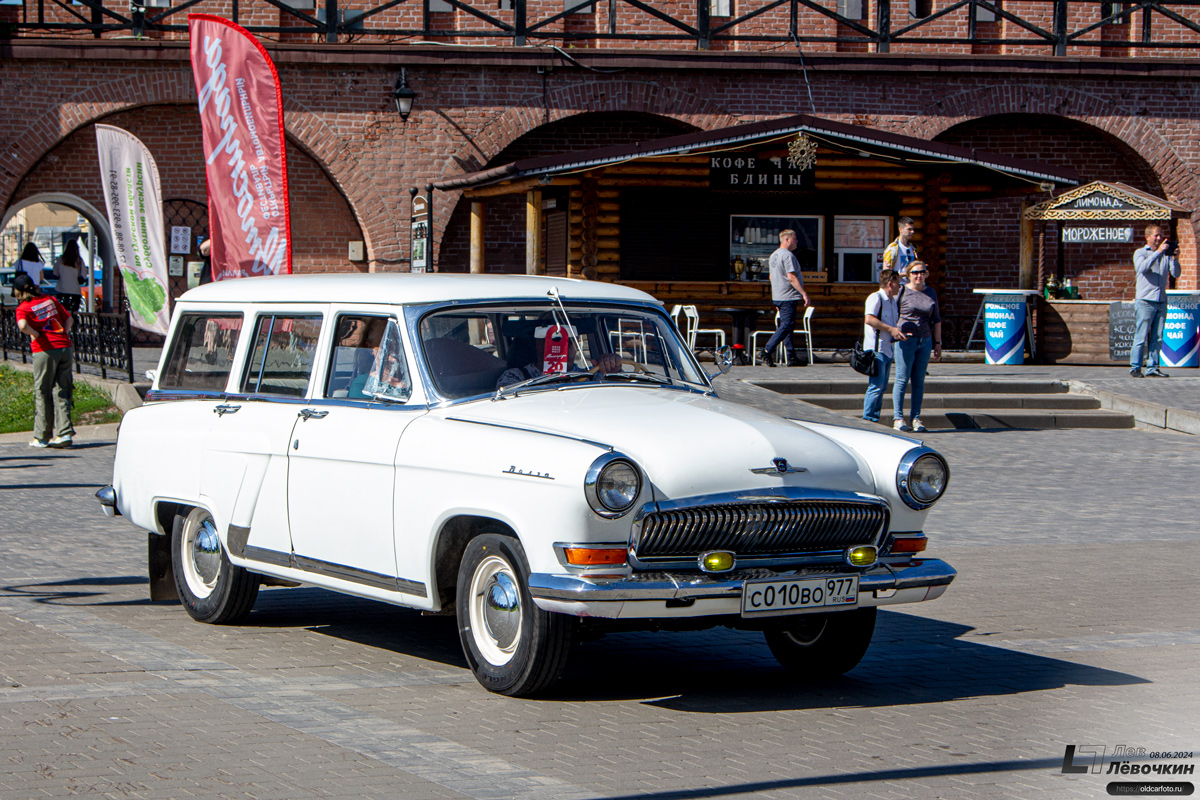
[(134, 202)]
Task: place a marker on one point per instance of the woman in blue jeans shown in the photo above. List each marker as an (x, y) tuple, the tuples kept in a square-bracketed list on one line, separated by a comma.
[(921, 321)]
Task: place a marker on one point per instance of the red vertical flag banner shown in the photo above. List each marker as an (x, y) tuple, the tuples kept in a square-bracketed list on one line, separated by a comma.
[(241, 113)]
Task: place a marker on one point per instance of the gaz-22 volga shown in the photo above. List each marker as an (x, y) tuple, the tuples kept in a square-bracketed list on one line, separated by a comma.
[(543, 458)]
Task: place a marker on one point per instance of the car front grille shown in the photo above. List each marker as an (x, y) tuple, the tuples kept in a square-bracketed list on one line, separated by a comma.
[(765, 529)]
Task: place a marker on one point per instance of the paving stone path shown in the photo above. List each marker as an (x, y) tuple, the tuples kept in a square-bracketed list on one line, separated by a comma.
[(1073, 621)]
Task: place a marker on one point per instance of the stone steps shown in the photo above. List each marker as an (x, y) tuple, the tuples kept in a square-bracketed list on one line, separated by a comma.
[(968, 403), (1065, 402)]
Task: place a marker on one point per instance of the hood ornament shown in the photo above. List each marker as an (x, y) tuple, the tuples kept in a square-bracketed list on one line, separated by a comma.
[(781, 468)]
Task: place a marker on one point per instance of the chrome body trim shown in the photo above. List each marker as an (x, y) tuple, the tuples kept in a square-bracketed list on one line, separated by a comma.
[(161, 396), (686, 527), (906, 465), (523, 429), (920, 573), (331, 570)]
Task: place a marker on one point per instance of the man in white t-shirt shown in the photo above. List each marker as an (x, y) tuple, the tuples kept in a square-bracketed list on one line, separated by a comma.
[(882, 315)]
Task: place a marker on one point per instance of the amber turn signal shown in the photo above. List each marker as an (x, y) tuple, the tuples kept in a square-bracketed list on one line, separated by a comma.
[(909, 544), (596, 556), (862, 556)]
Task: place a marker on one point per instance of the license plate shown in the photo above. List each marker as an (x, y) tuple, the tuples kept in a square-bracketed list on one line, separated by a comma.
[(791, 595)]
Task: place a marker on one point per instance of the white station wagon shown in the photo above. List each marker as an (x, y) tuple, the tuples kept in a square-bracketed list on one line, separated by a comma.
[(543, 458)]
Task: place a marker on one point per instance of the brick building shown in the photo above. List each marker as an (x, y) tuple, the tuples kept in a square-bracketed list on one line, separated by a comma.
[(1115, 101)]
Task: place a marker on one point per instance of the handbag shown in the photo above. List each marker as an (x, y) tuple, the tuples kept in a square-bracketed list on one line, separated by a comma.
[(864, 360)]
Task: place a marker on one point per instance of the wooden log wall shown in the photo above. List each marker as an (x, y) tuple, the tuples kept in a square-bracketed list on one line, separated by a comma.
[(593, 229), (1072, 332)]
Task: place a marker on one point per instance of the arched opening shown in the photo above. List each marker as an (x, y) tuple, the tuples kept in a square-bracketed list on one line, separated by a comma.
[(983, 238), (52, 219), (323, 222), (505, 217)]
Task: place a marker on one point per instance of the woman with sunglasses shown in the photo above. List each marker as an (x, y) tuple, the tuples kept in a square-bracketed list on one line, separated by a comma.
[(921, 320)]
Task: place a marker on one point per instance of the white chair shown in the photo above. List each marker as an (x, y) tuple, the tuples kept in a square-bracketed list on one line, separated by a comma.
[(779, 351), (692, 319), (804, 329)]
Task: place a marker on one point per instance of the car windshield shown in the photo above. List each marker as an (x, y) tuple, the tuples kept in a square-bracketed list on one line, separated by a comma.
[(479, 351)]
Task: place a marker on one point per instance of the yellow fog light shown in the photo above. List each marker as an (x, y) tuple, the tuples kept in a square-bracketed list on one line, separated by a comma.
[(862, 556), (717, 561)]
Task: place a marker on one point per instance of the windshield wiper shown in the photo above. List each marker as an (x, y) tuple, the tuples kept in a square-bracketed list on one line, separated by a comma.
[(541, 380), (640, 376)]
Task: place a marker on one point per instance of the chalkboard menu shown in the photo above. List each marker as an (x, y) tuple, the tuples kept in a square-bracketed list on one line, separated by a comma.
[(1121, 329)]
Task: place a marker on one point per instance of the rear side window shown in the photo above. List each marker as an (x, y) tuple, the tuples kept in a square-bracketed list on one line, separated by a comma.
[(282, 359), (202, 354)]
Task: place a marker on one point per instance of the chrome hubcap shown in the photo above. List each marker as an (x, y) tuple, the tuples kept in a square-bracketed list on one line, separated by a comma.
[(495, 610), (206, 552), (201, 551), (502, 610)]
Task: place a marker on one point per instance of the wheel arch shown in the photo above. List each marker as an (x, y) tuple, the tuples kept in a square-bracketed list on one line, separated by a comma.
[(452, 539)]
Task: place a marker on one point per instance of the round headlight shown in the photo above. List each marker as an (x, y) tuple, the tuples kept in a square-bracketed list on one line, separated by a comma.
[(612, 485), (922, 478)]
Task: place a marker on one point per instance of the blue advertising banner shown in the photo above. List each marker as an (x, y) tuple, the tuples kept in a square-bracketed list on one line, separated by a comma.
[(1004, 329), (1181, 334)]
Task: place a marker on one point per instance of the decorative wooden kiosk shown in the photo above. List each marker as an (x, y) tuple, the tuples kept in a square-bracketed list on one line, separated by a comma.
[(1078, 331), (693, 218)]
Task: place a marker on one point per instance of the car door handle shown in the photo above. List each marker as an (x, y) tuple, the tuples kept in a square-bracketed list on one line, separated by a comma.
[(226, 408), (312, 413)]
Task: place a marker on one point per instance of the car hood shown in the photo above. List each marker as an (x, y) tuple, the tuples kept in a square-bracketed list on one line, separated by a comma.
[(688, 444)]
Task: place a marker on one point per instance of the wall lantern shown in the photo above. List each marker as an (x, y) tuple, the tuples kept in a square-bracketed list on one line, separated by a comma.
[(403, 94)]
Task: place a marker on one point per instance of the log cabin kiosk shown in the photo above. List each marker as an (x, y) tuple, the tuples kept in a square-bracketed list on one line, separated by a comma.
[(1086, 331), (693, 218)]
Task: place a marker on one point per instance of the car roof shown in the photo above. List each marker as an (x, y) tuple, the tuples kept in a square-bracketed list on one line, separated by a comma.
[(404, 288)]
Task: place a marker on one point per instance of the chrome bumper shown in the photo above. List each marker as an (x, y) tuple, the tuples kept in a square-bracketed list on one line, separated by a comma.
[(924, 573), (108, 501)]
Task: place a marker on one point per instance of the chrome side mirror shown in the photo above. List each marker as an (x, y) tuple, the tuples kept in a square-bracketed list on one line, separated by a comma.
[(152, 375), (723, 358)]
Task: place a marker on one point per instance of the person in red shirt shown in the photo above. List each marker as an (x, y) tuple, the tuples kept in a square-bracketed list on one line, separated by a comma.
[(44, 320)]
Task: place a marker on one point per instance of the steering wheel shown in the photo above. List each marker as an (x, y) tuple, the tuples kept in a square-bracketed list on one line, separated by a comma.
[(634, 366)]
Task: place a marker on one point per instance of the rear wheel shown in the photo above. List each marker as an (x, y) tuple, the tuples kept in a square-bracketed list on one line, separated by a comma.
[(210, 588), (513, 647), (821, 646)]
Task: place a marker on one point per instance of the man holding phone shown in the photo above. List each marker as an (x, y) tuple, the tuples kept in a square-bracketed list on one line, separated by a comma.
[(1153, 266)]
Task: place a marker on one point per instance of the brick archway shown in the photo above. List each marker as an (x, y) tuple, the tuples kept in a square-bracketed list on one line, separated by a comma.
[(575, 98), (580, 97), (1081, 108), (50, 127), (323, 218)]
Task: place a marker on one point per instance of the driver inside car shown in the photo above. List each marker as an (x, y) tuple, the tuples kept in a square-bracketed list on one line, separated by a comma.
[(524, 362)]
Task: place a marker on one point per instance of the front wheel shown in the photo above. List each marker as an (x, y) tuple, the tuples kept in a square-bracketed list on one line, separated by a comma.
[(513, 647), (822, 646), (211, 589)]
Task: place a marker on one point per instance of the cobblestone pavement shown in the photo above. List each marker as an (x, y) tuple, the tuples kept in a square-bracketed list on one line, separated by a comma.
[(1073, 621)]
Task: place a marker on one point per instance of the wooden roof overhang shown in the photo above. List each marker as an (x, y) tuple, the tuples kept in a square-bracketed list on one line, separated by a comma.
[(1101, 202), (976, 174)]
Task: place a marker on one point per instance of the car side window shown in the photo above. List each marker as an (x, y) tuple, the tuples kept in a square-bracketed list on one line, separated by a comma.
[(368, 360), (202, 353), (282, 358)]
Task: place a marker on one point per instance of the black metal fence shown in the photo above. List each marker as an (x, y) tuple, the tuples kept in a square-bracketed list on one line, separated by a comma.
[(101, 340), (1051, 25)]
